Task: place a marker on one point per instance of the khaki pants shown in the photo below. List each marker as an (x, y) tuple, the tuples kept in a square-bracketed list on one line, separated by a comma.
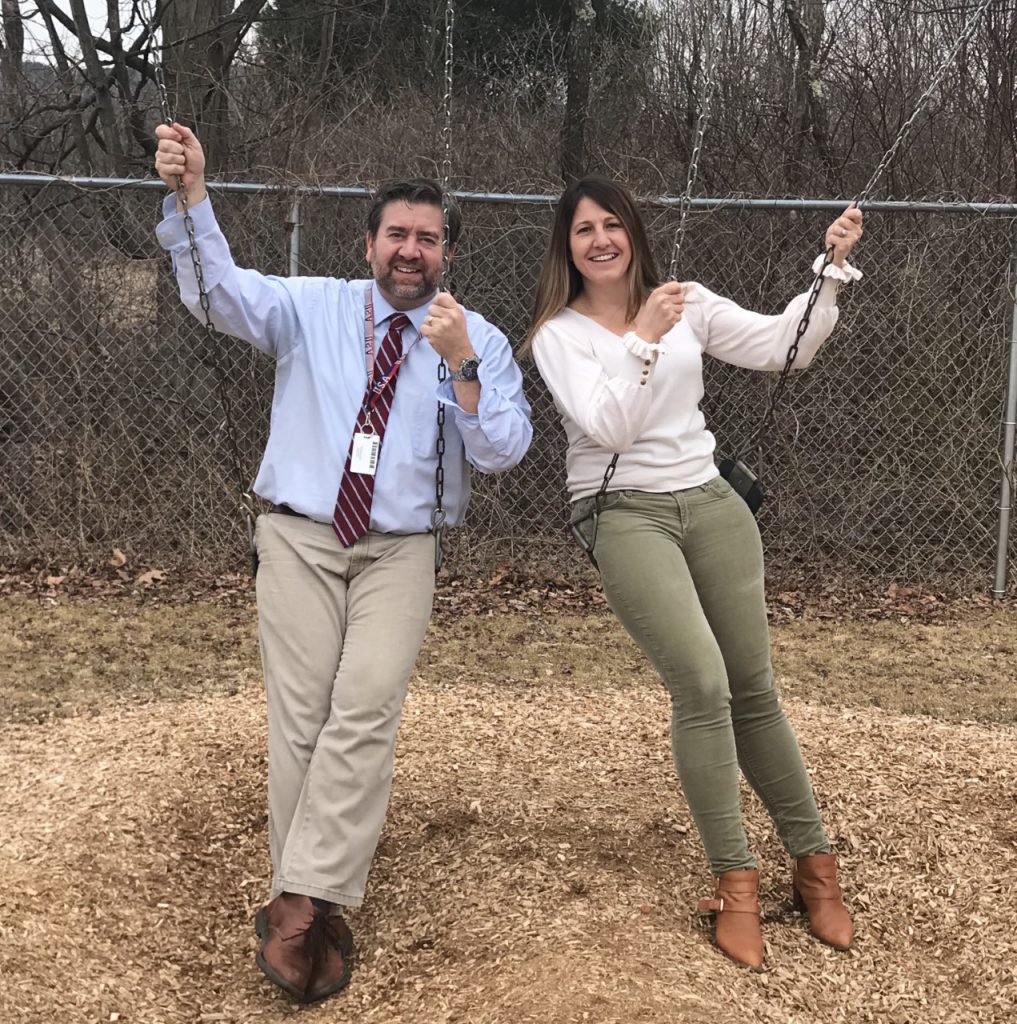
[(683, 571), (340, 630)]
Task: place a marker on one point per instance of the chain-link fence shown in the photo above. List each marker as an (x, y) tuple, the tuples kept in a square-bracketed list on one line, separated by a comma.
[(885, 464)]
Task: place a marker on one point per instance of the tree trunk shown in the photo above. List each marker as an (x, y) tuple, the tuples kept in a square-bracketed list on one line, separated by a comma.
[(1001, 99), (577, 101), (807, 20), (328, 20), (12, 53), (195, 77), (200, 40), (134, 116), (12, 46), (72, 91), (114, 161)]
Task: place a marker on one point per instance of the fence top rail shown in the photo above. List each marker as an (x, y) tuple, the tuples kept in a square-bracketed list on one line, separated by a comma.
[(362, 192)]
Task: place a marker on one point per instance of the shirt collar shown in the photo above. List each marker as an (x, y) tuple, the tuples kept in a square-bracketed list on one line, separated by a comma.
[(383, 309)]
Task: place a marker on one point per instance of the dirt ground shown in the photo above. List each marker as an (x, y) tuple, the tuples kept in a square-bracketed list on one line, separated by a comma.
[(538, 863)]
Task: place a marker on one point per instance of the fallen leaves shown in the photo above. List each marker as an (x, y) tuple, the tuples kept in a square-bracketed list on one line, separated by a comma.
[(504, 589)]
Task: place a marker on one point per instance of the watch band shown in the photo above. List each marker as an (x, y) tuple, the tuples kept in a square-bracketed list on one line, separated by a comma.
[(467, 369)]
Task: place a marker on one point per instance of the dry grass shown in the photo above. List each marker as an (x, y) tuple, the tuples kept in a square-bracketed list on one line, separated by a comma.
[(538, 864)]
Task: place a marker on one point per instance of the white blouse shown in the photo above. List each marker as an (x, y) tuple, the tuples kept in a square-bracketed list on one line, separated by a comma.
[(621, 394)]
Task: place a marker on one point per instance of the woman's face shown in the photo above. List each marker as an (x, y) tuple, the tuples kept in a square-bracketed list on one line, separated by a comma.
[(599, 245)]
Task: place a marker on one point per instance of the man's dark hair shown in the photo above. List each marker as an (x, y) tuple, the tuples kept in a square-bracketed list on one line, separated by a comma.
[(413, 190)]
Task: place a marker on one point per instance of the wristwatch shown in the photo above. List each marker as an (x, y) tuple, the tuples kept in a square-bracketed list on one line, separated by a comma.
[(467, 369)]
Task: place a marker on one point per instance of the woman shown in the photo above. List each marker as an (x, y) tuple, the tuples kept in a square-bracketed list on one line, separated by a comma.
[(678, 550)]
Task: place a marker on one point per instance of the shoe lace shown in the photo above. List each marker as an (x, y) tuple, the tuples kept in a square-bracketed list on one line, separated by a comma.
[(320, 936)]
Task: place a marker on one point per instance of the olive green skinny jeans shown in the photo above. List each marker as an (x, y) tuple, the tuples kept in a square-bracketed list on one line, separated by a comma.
[(683, 571)]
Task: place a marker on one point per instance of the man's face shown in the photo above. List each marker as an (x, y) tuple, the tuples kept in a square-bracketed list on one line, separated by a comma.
[(405, 257)]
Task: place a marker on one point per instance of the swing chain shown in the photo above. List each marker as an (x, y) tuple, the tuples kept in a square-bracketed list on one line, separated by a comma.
[(588, 543), (212, 339), (937, 78), (438, 515), (880, 170), (446, 134), (792, 354), (709, 87)]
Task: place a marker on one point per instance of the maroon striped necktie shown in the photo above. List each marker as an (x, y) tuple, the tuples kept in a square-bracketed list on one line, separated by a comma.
[(352, 515)]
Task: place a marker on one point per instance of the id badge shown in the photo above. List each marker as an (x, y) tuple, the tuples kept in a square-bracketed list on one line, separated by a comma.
[(364, 458)]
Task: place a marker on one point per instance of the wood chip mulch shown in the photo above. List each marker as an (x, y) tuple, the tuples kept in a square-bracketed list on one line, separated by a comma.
[(538, 865)]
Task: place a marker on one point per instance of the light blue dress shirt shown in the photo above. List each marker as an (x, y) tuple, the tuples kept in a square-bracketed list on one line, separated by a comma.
[(314, 328)]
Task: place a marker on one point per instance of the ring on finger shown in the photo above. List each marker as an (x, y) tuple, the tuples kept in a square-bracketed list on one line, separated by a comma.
[(843, 232)]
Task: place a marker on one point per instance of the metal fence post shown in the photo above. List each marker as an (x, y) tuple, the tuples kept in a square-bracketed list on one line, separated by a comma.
[(1009, 430), (293, 226)]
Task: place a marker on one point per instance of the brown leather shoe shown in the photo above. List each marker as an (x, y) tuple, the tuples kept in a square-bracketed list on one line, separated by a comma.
[(332, 968), (303, 950), (816, 892), (736, 905)]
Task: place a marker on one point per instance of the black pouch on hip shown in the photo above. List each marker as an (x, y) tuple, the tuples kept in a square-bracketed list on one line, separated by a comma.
[(743, 482)]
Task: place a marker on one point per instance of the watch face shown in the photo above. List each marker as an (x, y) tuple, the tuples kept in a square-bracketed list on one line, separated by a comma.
[(467, 369)]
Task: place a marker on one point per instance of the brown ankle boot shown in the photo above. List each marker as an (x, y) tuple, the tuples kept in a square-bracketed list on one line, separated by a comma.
[(736, 905), (816, 892)]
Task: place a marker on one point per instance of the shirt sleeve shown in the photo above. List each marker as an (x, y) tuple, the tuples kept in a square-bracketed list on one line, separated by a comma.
[(498, 435), (256, 307), (610, 410), (756, 341)]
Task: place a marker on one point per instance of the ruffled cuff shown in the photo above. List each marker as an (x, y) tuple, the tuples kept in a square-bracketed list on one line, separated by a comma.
[(640, 348), (844, 275), (638, 371)]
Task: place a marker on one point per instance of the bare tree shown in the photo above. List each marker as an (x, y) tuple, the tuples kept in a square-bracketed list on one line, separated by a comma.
[(12, 54), (807, 20), (96, 76), (100, 105), (809, 94), (1001, 96), (12, 45), (578, 69), (200, 41)]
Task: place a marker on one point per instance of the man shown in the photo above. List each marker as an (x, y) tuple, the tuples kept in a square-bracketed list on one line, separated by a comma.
[(346, 560)]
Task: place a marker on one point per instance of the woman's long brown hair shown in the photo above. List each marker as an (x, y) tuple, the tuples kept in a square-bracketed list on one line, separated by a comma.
[(559, 282)]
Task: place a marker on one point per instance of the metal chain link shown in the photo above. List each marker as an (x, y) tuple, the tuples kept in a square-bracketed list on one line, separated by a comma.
[(759, 439), (212, 339), (705, 104), (685, 200), (684, 203), (883, 165), (446, 135), (864, 504), (438, 516), (937, 78), (102, 398)]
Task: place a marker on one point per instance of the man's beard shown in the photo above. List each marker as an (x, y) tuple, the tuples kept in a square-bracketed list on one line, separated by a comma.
[(426, 286)]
